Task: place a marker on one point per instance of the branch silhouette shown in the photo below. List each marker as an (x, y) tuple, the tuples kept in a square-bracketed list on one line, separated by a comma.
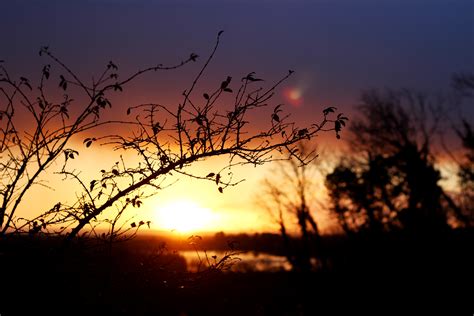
[(167, 139)]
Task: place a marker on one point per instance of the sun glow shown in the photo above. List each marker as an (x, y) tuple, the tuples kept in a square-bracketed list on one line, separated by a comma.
[(185, 216)]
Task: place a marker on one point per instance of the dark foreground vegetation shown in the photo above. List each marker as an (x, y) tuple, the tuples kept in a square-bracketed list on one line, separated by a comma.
[(364, 272)]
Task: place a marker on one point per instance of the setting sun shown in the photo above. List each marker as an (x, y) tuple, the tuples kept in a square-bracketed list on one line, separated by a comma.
[(184, 217)]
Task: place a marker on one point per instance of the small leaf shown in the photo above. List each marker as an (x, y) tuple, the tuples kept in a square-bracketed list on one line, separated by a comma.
[(220, 33), (337, 126), (46, 71), (210, 175), (218, 178), (62, 82), (92, 184), (115, 172), (193, 57), (43, 49), (250, 77), (328, 110), (128, 111), (63, 110), (156, 128), (118, 87), (220, 190), (228, 90), (302, 132), (112, 65), (226, 83), (206, 96), (26, 82), (133, 225)]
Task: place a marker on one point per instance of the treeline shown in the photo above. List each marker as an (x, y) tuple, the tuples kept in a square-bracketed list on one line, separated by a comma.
[(385, 191)]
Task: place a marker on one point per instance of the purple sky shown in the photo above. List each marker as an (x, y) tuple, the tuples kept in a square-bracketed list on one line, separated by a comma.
[(337, 47)]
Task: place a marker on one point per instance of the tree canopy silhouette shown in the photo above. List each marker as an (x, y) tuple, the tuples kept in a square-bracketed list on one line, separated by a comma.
[(464, 84), (393, 182)]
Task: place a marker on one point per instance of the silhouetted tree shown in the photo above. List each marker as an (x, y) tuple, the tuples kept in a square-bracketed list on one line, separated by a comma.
[(289, 197), (464, 83), (168, 139), (466, 173), (392, 181), (37, 128)]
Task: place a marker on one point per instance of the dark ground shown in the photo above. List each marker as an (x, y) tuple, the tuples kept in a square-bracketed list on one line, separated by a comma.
[(387, 274)]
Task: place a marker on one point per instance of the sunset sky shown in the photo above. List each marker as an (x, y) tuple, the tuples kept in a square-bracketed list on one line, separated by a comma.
[(336, 47)]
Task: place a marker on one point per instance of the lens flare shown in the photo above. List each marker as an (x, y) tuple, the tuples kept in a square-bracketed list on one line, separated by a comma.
[(294, 96)]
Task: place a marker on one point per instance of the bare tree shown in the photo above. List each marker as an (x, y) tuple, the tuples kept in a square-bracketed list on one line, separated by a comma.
[(290, 195), (167, 138)]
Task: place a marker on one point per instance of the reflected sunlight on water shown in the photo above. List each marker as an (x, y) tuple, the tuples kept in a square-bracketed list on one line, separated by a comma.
[(242, 262)]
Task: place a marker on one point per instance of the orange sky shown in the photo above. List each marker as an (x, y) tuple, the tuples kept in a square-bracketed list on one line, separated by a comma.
[(235, 210), (191, 205), (337, 49)]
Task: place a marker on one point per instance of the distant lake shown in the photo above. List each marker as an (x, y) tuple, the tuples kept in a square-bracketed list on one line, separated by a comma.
[(241, 262)]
